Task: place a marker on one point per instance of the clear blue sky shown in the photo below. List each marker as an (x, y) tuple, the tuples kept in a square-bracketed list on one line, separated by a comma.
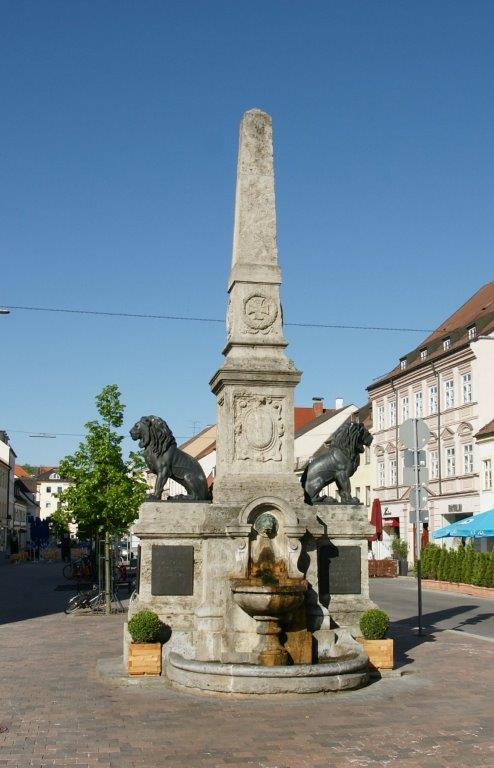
[(118, 148)]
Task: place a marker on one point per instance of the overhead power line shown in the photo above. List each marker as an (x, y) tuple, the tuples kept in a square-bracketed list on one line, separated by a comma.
[(185, 318)]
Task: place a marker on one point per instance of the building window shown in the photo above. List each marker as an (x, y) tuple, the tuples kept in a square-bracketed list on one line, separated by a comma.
[(472, 332), (405, 410), (418, 405), (487, 474), (447, 343), (380, 474), (403, 363), (48, 504), (392, 413), (367, 454), (433, 399), (392, 472), (423, 353), (54, 476), (367, 495), (59, 489), (466, 381), (450, 462), (468, 459), (449, 394), (357, 492), (380, 416), (48, 488), (434, 465)]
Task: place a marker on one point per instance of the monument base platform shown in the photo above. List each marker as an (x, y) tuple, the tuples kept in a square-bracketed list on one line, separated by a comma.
[(252, 679)]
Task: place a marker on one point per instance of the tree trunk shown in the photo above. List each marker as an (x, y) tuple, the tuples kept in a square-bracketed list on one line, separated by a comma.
[(107, 574)]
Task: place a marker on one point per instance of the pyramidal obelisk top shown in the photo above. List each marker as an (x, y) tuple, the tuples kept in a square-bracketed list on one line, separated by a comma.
[(254, 385), (254, 312)]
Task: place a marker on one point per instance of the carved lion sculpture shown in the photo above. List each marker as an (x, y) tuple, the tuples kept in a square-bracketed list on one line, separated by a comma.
[(167, 461), (337, 464)]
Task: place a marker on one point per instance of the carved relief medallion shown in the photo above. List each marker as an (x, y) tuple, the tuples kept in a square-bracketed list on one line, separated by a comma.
[(260, 312), (258, 428)]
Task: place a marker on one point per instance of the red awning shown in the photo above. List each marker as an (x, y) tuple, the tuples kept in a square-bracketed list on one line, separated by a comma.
[(376, 520)]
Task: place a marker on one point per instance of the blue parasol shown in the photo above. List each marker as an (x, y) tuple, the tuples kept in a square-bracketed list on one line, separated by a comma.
[(477, 526)]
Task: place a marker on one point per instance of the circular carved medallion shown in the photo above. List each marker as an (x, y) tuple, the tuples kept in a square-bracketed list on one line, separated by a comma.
[(259, 312)]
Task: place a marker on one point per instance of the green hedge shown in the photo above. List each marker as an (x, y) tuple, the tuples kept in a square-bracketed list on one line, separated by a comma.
[(463, 565)]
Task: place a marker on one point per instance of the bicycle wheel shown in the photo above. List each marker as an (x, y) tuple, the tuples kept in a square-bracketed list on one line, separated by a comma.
[(97, 602), (76, 602), (67, 571)]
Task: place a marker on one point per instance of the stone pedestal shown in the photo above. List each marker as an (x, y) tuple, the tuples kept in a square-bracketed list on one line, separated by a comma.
[(190, 552)]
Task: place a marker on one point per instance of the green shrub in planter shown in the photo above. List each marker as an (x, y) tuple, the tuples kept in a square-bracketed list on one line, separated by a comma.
[(400, 548), (374, 624), (145, 627)]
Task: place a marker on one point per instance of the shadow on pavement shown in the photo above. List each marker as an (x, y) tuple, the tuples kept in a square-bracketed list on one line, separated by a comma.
[(27, 590), (404, 631)]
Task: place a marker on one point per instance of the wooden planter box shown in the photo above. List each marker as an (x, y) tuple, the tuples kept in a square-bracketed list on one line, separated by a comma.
[(144, 659), (380, 652)]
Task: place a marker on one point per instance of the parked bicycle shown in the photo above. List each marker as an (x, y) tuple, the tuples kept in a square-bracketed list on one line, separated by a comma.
[(94, 599), (81, 569)]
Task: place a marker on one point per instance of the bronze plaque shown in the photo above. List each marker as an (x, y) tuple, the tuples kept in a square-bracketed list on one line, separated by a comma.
[(172, 570), (339, 571)]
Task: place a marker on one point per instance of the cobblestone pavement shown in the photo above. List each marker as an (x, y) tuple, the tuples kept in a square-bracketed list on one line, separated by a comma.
[(59, 712)]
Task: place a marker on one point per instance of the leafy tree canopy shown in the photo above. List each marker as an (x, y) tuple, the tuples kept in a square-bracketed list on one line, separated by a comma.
[(106, 491)]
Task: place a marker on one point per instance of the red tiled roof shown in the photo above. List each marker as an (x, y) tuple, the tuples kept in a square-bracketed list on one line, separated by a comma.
[(20, 471), (302, 416), (487, 429), (478, 311)]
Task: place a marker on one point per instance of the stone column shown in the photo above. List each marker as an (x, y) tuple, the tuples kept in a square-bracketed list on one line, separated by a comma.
[(254, 385)]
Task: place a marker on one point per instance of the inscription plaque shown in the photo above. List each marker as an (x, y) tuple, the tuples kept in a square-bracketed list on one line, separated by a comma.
[(339, 571), (172, 570)]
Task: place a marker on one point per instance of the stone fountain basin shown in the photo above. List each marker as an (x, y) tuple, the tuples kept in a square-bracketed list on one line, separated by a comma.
[(258, 599)]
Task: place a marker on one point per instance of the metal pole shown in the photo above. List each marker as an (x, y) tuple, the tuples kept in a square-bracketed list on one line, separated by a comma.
[(107, 574), (417, 525)]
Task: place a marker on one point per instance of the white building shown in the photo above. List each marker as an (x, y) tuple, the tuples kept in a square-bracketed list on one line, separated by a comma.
[(7, 463), (25, 509), (485, 451), (447, 381), (49, 484)]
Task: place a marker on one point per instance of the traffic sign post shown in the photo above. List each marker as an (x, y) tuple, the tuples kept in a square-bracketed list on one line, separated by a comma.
[(414, 434)]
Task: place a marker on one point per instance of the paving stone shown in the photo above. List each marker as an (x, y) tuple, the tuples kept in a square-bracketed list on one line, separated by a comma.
[(60, 712)]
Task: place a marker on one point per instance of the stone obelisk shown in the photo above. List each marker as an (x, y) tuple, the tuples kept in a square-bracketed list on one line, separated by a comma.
[(254, 385)]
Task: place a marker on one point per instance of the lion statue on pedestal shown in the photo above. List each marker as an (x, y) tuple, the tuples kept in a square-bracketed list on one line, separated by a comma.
[(337, 464), (166, 461)]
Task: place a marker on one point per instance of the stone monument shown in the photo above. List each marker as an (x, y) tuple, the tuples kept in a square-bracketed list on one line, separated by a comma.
[(261, 590)]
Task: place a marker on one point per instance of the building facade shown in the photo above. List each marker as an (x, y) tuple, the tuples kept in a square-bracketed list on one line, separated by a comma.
[(7, 463), (485, 451), (447, 382), (48, 485)]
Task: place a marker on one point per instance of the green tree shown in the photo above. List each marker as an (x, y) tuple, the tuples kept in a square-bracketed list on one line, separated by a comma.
[(441, 567), (468, 564), (59, 520), (480, 569), (106, 491), (436, 556), (450, 565), (458, 570)]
